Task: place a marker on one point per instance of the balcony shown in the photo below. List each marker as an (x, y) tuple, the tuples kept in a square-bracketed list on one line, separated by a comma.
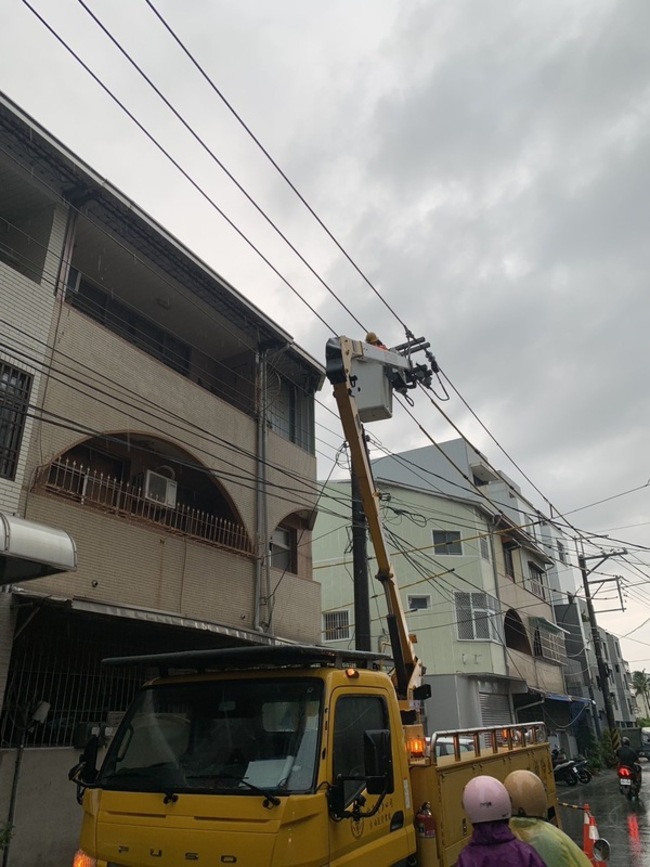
[(144, 503)]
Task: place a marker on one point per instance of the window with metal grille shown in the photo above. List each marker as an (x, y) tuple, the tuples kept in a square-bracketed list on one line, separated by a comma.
[(548, 645), (447, 542), (477, 617), (15, 386), (537, 581), (56, 658), (336, 625), (485, 547)]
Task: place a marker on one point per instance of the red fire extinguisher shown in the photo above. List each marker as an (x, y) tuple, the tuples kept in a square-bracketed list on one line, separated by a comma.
[(425, 824)]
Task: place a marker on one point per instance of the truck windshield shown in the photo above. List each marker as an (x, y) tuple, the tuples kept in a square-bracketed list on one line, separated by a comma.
[(231, 736)]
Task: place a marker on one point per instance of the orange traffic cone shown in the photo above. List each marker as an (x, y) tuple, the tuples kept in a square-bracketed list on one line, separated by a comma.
[(589, 835)]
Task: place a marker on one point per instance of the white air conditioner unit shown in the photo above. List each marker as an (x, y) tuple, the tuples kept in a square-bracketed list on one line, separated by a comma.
[(160, 489)]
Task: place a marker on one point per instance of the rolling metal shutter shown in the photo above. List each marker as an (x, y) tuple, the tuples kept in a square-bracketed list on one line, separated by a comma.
[(495, 709)]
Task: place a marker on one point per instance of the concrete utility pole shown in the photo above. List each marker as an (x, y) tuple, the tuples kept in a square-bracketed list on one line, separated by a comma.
[(362, 639), (600, 662)]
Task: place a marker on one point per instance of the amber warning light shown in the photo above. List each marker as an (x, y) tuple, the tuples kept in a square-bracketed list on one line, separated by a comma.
[(416, 747), (416, 742)]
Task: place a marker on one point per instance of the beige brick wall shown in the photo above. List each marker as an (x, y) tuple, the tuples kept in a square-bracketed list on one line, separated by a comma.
[(100, 383), (26, 310), (169, 406), (297, 607), (121, 562)]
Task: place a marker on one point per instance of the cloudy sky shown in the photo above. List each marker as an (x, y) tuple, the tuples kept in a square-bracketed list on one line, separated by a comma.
[(486, 165)]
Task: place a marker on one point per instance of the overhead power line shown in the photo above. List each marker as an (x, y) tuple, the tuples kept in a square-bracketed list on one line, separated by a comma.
[(216, 159), (280, 171), (578, 532), (178, 166)]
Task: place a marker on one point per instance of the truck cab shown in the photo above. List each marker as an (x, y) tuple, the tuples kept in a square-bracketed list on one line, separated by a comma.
[(254, 756)]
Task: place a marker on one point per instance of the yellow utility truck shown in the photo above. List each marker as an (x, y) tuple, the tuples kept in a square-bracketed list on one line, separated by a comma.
[(297, 756)]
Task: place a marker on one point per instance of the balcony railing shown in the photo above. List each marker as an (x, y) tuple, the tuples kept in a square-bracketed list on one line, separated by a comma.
[(103, 492)]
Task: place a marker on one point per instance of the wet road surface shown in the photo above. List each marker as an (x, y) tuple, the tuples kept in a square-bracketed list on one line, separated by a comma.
[(625, 825)]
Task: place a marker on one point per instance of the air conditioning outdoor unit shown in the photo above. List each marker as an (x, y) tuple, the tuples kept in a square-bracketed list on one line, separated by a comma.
[(160, 489)]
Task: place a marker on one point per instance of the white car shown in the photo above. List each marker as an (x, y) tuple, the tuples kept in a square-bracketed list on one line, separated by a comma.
[(445, 746)]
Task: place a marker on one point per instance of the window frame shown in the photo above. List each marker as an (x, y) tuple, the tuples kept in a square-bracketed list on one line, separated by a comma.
[(451, 540), (490, 611), (352, 742), (15, 390), (283, 549), (537, 581), (549, 646), (423, 597), (508, 561), (290, 414), (345, 615)]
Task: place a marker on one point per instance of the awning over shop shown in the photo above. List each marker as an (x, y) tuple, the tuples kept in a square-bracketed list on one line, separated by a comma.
[(549, 625), (555, 696), (24, 596), (29, 550), (168, 618), (559, 696)]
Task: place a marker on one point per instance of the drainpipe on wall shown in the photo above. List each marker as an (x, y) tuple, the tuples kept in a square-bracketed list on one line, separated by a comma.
[(261, 513), (496, 593), (263, 594)]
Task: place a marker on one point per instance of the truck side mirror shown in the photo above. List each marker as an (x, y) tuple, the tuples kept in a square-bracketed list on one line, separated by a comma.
[(89, 760), (378, 761), (85, 771)]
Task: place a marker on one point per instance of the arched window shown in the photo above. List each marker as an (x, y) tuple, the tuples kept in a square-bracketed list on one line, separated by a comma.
[(515, 633), (144, 478)]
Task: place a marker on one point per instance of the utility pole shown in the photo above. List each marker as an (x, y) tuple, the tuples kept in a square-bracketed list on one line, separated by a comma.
[(362, 640), (600, 662)]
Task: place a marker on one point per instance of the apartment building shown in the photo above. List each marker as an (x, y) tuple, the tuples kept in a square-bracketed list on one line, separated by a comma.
[(472, 570), (153, 415), (582, 674)]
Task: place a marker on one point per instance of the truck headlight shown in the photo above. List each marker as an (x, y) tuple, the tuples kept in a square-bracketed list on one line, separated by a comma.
[(81, 859)]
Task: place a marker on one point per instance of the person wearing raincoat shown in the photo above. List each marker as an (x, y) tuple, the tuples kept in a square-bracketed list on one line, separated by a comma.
[(528, 822), (487, 805)]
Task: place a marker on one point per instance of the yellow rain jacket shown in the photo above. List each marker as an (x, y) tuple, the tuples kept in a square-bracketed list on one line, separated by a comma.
[(553, 846)]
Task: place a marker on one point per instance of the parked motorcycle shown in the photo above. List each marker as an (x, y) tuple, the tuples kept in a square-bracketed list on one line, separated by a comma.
[(629, 782), (566, 772), (582, 767)]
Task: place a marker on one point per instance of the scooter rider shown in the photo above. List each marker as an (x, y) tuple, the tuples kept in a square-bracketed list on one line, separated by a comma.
[(528, 823), (629, 758), (492, 844)]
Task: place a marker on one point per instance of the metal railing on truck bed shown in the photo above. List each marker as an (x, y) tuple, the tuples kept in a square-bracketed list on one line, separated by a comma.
[(440, 778)]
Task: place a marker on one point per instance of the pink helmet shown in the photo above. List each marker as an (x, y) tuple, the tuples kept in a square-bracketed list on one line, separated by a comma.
[(486, 799)]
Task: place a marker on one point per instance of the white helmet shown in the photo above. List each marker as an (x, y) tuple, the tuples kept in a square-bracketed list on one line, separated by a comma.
[(486, 799)]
